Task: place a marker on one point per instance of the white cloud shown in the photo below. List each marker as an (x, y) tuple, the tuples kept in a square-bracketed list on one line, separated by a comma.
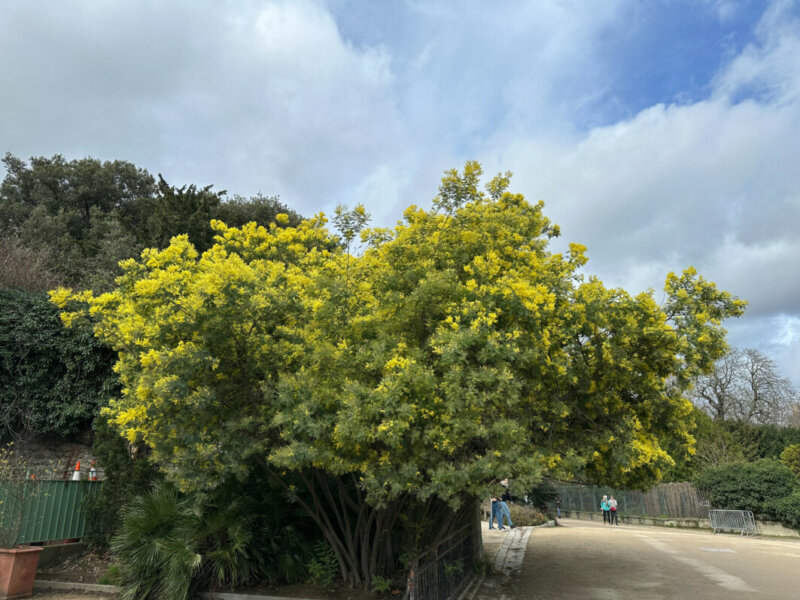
[(777, 336), (713, 184), (267, 97), (281, 97)]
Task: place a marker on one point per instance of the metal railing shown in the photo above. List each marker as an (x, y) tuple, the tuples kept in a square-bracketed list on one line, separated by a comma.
[(733, 520), (442, 572), (674, 500)]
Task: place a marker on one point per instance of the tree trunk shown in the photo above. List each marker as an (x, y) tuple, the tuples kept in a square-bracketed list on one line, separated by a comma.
[(368, 541)]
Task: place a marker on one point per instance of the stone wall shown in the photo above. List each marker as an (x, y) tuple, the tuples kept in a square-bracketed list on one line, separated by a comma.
[(50, 459)]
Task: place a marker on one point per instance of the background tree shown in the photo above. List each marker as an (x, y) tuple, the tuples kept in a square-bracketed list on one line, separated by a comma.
[(66, 207), (24, 268), (790, 457), (75, 220), (405, 381), (745, 386), (761, 441)]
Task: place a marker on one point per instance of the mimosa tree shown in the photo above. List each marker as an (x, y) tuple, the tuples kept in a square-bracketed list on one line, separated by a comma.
[(456, 349)]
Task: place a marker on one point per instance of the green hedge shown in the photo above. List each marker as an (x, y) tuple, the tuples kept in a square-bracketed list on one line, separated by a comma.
[(760, 486)]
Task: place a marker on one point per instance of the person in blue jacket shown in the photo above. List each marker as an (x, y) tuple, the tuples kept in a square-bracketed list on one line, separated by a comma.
[(605, 506)]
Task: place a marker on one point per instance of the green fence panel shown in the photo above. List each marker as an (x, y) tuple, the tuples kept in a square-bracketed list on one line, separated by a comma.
[(51, 509)]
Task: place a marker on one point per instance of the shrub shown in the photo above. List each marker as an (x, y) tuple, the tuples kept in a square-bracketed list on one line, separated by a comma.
[(110, 577), (523, 515), (170, 545), (748, 486), (381, 584), (322, 568), (125, 478), (787, 509), (790, 457)]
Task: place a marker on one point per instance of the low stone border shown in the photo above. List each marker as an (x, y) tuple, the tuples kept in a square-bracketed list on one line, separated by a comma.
[(111, 590), (236, 596), (77, 586), (472, 587), (552, 523)]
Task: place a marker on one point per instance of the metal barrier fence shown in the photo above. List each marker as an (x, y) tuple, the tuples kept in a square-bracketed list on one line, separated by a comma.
[(442, 572), (50, 509), (733, 520), (676, 500)]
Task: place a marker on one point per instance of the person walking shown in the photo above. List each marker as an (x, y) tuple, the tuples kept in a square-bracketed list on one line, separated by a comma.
[(606, 508), (495, 513), (504, 510), (612, 511), (558, 507)]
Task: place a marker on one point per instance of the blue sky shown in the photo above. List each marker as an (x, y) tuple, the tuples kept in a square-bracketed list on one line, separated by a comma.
[(659, 133)]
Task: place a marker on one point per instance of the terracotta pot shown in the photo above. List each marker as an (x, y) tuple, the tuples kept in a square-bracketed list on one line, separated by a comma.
[(17, 571)]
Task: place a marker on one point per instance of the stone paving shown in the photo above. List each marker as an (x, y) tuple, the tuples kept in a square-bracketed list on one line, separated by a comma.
[(506, 552)]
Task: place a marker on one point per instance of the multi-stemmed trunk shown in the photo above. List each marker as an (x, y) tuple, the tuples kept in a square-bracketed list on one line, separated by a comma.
[(370, 541)]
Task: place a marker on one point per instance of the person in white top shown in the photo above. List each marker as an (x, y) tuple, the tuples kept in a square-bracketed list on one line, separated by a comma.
[(612, 511)]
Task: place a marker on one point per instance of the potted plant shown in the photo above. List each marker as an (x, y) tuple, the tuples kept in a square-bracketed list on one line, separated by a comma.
[(17, 563)]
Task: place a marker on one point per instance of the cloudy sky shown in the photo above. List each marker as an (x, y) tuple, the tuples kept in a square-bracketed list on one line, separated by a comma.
[(659, 133)]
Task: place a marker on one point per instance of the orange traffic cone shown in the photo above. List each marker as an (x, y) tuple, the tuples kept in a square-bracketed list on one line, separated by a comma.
[(76, 476)]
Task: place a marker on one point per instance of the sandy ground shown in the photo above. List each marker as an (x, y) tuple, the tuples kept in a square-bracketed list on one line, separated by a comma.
[(587, 561)]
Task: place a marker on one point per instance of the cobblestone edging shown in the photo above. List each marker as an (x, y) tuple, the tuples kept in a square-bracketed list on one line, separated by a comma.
[(508, 560), (69, 586)]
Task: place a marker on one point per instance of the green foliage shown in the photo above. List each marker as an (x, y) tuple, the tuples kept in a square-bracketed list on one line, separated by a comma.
[(323, 566), (171, 545), (239, 211), (748, 486), (112, 576), (127, 473), (453, 568), (69, 207), (454, 349), (790, 457), (723, 442), (715, 446), (787, 509), (53, 380), (763, 441), (542, 494), (85, 216), (381, 584)]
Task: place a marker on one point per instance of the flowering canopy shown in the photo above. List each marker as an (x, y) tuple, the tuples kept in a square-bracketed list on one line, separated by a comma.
[(454, 350)]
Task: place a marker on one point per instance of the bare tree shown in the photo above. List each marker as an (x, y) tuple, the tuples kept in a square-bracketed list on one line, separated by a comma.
[(26, 268), (745, 386)]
